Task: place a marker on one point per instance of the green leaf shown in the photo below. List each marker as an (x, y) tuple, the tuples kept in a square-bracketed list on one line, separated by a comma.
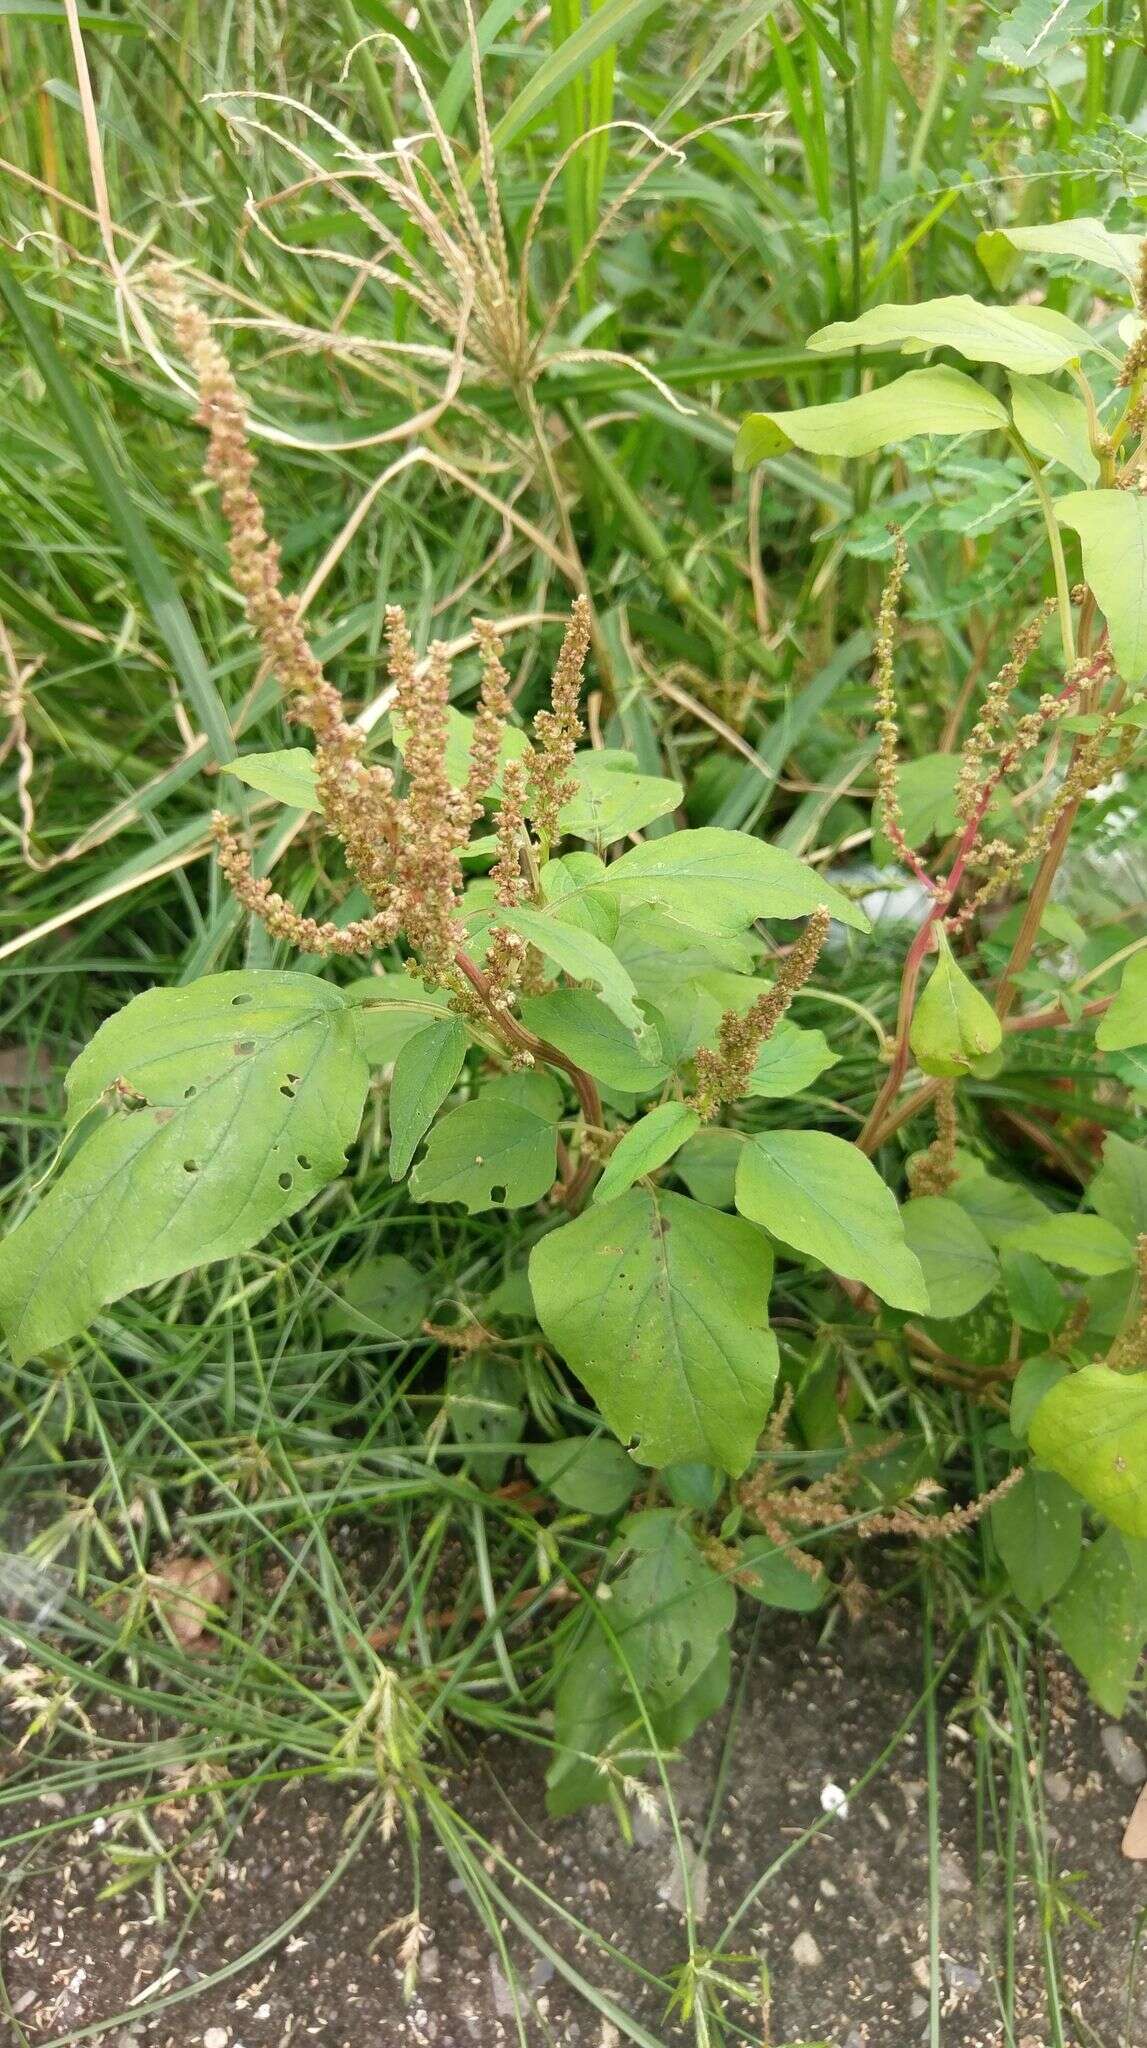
[(1034, 1297), (661, 1307), (927, 788), (670, 1609), (772, 1576), (498, 1151), (513, 745), (485, 1409), (935, 401), (252, 1087), (609, 22), (790, 1061), (581, 1026), (1038, 1531), (1092, 1429), (997, 1207), (959, 1264), (1032, 339), (1035, 32), (424, 1073), (824, 1198), (1118, 1192), (648, 1144), (1083, 237), (288, 776), (708, 1166), (590, 1473), (1125, 1023), (584, 958), (1034, 1379), (384, 1297), (1101, 1618), (1085, 1244), (1054, 424), (389, 1009), (613, 800), (570, 895), (1112, 529), (719, 882), (953, 1025)]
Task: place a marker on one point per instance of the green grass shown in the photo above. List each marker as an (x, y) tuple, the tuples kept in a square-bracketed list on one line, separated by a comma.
[(791, 164)]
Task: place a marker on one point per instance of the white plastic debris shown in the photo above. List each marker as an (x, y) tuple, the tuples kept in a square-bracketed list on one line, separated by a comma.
[(834, 1799)]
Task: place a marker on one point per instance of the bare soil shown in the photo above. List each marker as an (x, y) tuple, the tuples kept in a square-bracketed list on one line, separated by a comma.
[(843, 1927)]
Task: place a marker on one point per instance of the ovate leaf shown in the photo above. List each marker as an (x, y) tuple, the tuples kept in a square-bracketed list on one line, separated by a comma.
[(718, 881), (1112, 529), (497, 1152), (1084, 238), (223, 1107), (661, 1307), (1125, 1023), (1101, 1617), (389, 1009), (288, 775), (612, 800), (584, 958), (1092, 1429), (825, 1199), (581, 1026), (1054, 424), (927, 789), (485, 1410), (1038, 1531), (1084, 1244), (1118, 1192), (953, 1025), (424, 1073), (648, 1144), (384, 1297), (589, 1473), (1034, 1379), (935, 401), (1031, 339), (789, 1061), (781, 1578), (959, 1264)]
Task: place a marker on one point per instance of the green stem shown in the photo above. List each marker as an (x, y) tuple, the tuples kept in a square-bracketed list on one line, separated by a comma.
[(1055, 544)]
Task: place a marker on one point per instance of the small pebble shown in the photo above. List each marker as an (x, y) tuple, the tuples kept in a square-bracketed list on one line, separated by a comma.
[(806, 1952), (216, 2037), (961, 1978), (1123, 1754), (1057, 1786), (952, 1875)]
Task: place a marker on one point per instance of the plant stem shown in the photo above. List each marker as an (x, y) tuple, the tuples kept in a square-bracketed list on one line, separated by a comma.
[(1055, 545)]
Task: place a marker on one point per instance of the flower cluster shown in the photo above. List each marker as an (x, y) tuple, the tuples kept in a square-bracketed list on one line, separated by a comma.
[(724, 1073), (404, 850)]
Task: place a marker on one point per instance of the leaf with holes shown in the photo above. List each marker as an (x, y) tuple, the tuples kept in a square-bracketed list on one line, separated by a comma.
[(824, 1198), (218, 1109), (424, 1073), (498, 1151), (661, 1307)]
